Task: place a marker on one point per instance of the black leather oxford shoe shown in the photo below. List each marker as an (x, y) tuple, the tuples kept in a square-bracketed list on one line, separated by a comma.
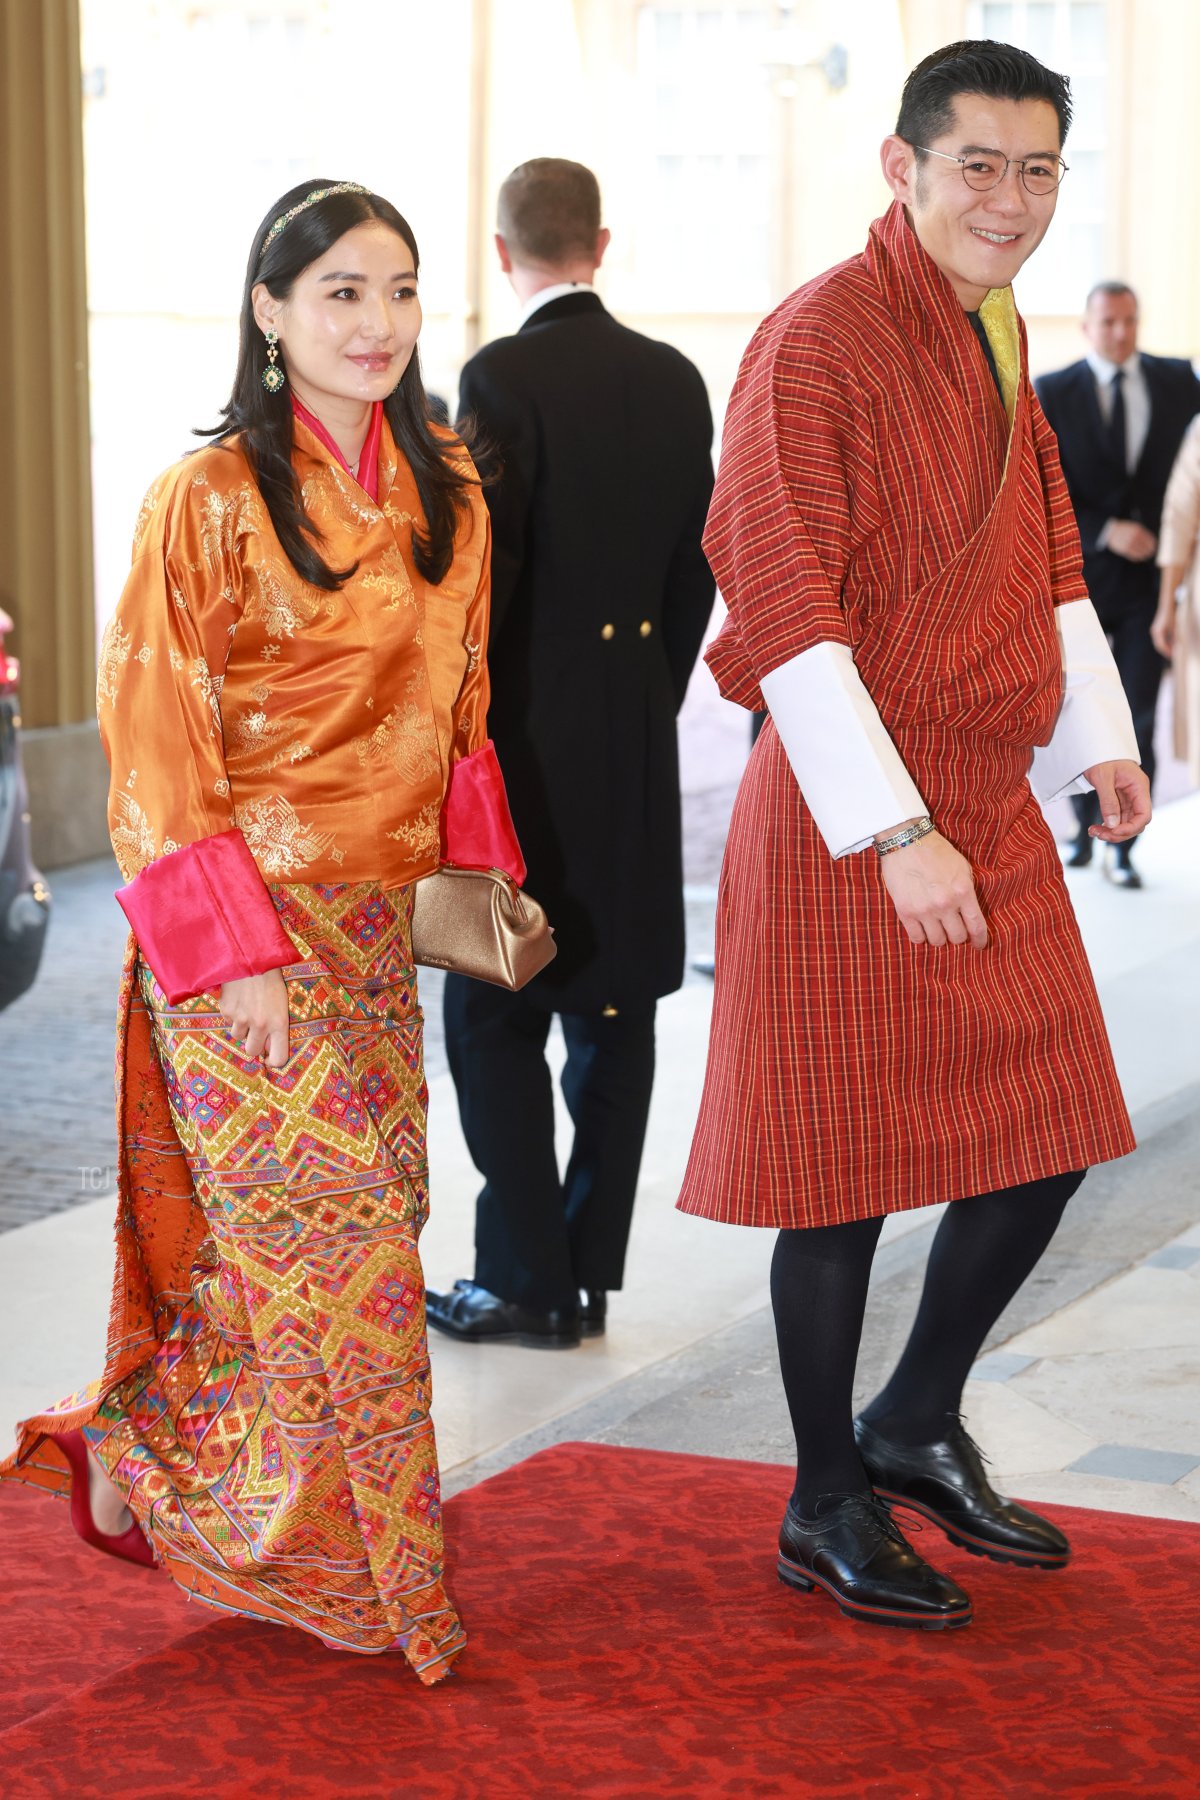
[(593, 1311), (1080, 852), (476, 1315), (947, 1482), (857, 1554)]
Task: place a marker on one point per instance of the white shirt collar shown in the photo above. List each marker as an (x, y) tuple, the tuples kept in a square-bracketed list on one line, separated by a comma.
[(1104, 370), (546, 294)]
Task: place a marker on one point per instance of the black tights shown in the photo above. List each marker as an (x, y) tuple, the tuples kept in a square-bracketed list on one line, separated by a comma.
[(983, 1250)]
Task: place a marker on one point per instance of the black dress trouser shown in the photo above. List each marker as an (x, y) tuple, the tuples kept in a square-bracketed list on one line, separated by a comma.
[(539, 1237), (1141, 668)]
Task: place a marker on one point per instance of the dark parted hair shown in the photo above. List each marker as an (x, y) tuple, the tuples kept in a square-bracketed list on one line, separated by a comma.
[(548, 211), (976, 66), (265, 422)]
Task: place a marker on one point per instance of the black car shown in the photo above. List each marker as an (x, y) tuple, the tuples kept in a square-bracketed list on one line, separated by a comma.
[(24, 896)]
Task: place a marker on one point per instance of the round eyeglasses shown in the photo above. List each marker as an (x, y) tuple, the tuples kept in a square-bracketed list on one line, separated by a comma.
[(984, 169)]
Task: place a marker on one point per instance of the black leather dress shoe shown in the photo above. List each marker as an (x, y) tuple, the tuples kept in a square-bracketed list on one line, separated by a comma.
[(593, 1311), (856, 1553), (476, 1315), (1080, 853), (947, 1482)]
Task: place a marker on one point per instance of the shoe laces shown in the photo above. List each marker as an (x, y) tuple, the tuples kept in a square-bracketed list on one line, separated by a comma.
[(955, 1426), (879, 1510), (956, 1419)]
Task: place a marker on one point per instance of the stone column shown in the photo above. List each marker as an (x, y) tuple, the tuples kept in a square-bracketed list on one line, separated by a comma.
[(46, 578)]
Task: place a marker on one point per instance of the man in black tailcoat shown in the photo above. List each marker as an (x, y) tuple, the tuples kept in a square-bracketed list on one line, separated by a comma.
[(600, 599), (1119, 417)]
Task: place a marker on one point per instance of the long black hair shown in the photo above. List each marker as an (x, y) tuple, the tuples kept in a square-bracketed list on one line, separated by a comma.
[(264, 421)]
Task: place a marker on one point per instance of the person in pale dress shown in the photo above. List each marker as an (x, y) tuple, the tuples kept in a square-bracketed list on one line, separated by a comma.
[(1175, 630)]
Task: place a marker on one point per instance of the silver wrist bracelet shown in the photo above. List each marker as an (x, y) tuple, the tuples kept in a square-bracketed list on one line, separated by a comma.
[(907, 834)]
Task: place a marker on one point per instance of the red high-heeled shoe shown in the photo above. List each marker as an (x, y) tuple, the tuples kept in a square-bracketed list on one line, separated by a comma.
[(130, 1545)]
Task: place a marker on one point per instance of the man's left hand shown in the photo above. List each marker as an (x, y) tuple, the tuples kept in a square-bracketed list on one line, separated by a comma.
[(1124, 795)]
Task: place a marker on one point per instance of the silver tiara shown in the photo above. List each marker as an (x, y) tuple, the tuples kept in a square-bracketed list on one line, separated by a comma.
[(341, 187)]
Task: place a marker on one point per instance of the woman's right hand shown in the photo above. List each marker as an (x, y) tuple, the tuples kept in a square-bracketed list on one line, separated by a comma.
[(256, 1011), (1162, 629), (933, 890)]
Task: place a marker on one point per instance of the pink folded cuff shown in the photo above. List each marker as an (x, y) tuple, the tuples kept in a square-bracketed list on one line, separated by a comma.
[(477, 827), (202, 915)]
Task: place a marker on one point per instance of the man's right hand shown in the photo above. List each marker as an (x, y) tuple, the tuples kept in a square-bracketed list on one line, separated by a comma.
[(933, 891), (1132, 541)]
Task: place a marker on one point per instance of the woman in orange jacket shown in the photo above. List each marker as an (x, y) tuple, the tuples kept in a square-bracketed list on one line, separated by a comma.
[(293, 698)]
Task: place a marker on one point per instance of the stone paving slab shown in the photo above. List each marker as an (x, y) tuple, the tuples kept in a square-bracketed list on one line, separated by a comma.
[(1126, 1462), (1175, 1256), (1000, 1365), (56, 1055)]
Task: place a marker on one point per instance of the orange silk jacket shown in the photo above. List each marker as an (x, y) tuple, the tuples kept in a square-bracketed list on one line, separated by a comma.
[(321, 726)]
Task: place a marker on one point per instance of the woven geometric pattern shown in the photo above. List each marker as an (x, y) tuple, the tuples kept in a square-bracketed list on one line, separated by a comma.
[(276, 1445)]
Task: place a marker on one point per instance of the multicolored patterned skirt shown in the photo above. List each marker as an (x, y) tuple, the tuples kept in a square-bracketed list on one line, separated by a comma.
[(265, 1407)]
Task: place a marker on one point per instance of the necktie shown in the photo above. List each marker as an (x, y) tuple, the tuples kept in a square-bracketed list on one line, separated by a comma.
[(1116, 423)]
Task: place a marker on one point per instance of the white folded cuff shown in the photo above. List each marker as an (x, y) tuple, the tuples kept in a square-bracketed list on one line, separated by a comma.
[(847, 767), (1094, 722)]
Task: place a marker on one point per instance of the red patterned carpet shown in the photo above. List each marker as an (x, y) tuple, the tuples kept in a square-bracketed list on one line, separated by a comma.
[(628, 1638)]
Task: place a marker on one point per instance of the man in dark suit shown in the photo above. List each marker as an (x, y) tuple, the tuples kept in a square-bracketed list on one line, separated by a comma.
[(1119, 417), (600, 599)]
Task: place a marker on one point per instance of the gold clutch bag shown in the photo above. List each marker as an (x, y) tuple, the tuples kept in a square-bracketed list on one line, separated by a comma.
[(478, 922)]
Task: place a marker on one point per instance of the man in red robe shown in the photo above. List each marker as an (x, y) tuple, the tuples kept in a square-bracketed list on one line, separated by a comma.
[(903, 1011)]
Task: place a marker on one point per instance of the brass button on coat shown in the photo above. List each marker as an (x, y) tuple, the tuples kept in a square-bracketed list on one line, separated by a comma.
[(608, 631), (609, 1012), (645, 628)]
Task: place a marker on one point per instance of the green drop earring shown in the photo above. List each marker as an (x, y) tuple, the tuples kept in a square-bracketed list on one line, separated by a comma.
[(273, 377)]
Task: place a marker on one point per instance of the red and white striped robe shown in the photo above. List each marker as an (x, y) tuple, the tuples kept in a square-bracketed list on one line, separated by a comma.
[(864, 498)]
